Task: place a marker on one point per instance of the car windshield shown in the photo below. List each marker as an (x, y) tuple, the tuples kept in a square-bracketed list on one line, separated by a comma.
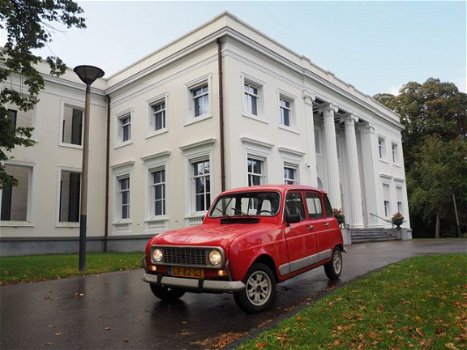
[(247, 204)]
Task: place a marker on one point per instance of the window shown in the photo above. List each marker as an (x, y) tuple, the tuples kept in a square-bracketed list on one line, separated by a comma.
[(255, 172), (400, 208), (12, 116), (124, 124), (294, 204), (386, 203), (251, 99), (327, 205), (72, 125), (158, 192), (158, 115), (70, 185), (124, 196), (381, 148), (285, 111), (386, 208), (250, 203), (313, 203), (14, 201), (202, 185), (395, 153), (200, 96), (290, 175)]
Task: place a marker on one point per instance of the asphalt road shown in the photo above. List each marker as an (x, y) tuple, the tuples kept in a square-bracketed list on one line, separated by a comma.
[(118, 311)]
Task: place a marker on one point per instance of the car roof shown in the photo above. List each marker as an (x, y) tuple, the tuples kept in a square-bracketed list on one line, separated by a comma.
[(280, 188)]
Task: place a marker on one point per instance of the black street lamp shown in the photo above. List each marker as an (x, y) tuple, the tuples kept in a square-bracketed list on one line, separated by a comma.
[(88, 74)]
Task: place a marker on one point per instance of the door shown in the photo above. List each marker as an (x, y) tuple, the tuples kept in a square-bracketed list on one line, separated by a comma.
[(299, 236), (320, 223)]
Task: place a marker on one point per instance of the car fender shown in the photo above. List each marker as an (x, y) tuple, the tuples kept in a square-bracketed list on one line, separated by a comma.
[(246, 249)]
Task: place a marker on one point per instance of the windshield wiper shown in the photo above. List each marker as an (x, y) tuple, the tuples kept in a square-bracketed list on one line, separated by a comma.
[(238, 211)]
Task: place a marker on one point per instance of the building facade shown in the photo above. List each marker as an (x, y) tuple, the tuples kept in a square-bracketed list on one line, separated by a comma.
[(222, 107)]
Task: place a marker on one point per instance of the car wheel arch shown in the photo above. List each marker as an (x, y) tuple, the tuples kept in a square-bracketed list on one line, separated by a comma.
[(268, 261)]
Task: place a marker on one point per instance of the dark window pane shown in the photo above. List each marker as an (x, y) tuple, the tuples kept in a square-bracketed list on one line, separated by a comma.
[(12, 115), (328, 207), (76, 126), (6, 203)]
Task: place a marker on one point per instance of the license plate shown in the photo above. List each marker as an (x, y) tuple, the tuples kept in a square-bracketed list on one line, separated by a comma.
[(187, 272)]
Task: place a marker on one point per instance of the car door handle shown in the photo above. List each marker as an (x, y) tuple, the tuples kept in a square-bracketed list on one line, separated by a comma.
[(326, 224), (310, 227)]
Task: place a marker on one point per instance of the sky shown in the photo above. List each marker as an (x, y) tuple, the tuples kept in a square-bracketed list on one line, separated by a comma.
[(375, 46)]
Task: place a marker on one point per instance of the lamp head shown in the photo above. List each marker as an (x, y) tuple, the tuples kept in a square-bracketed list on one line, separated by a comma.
[(88, 74)]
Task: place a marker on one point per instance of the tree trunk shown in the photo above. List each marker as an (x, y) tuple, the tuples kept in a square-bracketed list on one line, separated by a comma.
[(437, 226)]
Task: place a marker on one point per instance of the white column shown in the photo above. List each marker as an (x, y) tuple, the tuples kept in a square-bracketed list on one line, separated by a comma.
[(353, 171), (332, 162), (373, 195), (310, 132)]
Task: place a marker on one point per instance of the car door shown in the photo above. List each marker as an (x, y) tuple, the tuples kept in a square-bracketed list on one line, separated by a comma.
[(299, 235), (319, 223), (328, 236)]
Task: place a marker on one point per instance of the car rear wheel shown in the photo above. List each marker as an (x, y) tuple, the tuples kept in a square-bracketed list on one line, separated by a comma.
[(260, 289), (333, 268), (166, 293)]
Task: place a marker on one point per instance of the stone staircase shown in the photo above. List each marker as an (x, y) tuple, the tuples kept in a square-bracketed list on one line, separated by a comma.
[(374, 235)]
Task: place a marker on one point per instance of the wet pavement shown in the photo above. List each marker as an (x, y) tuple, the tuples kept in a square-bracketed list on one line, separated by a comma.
[(118, 311)]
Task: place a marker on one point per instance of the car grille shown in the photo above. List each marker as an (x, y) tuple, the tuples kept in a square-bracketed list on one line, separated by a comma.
[(185, 256)]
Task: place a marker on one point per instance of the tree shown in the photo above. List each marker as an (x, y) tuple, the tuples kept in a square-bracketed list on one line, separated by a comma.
[(434, 115), (29, 25), (439, 173)]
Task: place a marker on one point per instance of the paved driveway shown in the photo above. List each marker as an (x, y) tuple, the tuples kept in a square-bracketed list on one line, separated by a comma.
[(118, 311)]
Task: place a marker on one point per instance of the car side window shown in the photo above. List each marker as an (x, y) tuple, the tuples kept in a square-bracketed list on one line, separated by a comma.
[(313, 203), (328, 207), (294, 204)]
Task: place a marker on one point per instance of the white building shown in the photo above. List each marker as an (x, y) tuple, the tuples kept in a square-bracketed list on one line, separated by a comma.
[(221, 107)]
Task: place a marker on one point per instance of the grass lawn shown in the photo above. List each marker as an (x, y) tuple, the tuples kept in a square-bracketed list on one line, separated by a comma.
[(420, 303), (21, 269)]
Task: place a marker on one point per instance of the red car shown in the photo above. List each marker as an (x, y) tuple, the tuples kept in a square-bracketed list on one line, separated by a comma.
[(251, 239)]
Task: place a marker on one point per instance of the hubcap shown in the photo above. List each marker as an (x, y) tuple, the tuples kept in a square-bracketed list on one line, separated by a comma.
[(337, 261), (258, 288)]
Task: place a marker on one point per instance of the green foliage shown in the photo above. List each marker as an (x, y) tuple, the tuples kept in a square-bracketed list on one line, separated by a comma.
[(29, 25), (418, 303), (22, 269), (434, 115)]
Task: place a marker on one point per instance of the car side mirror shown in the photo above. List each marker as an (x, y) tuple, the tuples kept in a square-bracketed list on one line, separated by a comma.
[(292, 218)]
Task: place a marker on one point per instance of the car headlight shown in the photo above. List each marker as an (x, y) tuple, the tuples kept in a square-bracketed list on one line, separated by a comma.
[(157, 255), (215, 257)]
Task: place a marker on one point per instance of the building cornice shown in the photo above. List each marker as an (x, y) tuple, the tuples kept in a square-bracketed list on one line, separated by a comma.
[(206, 142)]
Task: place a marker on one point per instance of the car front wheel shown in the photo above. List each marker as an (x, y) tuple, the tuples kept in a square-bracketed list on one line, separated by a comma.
[(166, 293), (333, 268), (260, 289)]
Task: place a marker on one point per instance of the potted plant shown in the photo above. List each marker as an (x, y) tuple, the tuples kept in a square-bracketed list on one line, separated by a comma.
[(397, 219), (339, 215)]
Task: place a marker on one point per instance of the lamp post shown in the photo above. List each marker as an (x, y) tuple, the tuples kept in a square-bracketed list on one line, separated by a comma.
[(88, 74)]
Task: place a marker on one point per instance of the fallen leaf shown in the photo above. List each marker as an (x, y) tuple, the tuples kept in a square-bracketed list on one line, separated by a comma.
[(372, 335), (419, 332)]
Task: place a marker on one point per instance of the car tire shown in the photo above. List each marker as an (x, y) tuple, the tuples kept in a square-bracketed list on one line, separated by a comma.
[(260, 289), (333, 268), (166, 293)]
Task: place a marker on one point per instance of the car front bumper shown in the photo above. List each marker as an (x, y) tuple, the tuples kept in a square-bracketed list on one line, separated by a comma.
[(194, 284)]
